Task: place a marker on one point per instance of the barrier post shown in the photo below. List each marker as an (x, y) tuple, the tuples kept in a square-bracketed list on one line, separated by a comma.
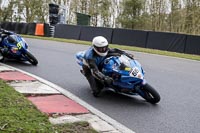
[(39, 30)]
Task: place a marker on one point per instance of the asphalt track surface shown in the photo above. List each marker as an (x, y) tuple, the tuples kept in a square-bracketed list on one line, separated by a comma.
[(177, 80)]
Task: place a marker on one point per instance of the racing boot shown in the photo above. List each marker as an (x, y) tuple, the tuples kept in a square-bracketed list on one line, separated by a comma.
[(93, 85)]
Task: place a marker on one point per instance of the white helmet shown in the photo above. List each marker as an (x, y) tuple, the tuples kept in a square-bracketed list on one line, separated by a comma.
[(100, 45)]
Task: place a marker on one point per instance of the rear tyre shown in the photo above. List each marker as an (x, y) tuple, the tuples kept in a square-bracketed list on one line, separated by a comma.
[(150, 94), (1, 57), (31, 58)]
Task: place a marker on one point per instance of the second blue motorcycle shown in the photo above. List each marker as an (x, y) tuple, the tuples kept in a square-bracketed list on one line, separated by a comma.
[(16, 48)]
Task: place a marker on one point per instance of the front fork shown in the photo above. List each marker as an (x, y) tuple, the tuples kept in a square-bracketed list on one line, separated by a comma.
[(139, 88)]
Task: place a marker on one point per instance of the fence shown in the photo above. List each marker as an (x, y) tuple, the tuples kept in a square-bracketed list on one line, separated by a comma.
[(174, 42)]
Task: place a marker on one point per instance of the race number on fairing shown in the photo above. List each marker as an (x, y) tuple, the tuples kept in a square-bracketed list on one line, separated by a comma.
[(134, 71)]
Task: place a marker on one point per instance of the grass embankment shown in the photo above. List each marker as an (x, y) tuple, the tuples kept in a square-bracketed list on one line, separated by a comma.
[(131, 48), (19, 115)]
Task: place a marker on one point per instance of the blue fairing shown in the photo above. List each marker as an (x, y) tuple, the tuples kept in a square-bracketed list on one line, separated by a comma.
[(115, 65)]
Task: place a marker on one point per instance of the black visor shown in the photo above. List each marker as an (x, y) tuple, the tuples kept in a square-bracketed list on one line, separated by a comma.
[(101, 49)]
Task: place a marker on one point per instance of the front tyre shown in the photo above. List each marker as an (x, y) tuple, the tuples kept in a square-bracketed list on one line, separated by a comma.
[(150, 94), (31, 58)]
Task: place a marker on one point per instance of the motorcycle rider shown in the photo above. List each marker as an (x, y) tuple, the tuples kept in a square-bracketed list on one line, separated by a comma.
[(94, 56), (3, 34)]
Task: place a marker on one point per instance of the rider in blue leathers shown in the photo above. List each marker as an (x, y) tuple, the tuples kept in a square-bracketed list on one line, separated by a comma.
[(94, 56), (3, 34)]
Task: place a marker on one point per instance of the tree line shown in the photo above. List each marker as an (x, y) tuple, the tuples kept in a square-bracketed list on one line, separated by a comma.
[(179, 16)]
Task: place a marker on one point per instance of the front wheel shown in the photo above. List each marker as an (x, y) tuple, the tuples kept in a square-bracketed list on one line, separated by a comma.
[(150, 94), (31, 58)]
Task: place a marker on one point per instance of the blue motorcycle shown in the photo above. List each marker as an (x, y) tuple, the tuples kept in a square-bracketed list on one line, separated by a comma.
[(128, 76), (16, 48)]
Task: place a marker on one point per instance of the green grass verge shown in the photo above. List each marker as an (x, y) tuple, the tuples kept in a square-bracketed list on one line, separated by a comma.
[(131, 48), (19, 115)]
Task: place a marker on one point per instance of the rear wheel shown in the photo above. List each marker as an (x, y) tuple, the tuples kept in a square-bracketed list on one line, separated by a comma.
[(1, 57), (31, 58), (150, 94)]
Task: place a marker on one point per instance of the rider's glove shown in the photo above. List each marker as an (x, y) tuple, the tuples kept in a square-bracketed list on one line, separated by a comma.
[(108, 80), (131, 56)]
